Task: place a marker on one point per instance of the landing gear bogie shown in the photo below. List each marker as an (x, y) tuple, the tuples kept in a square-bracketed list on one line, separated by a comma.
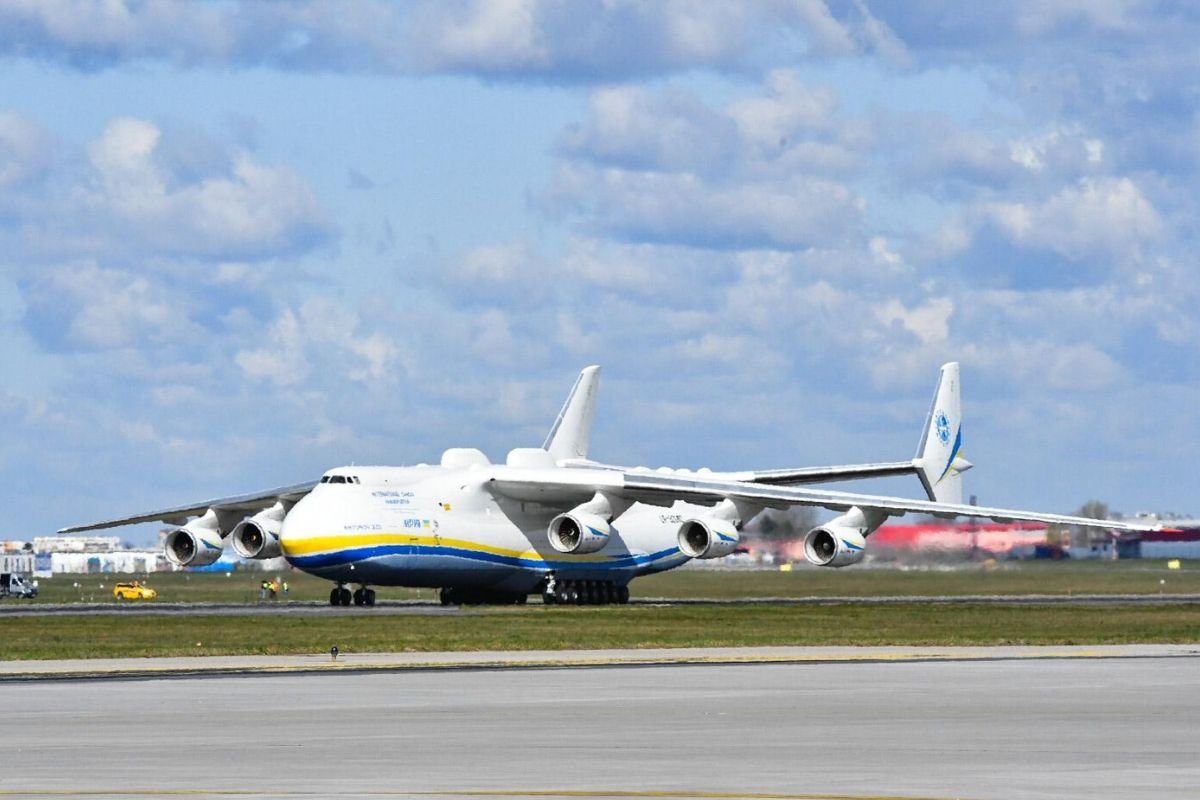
[(339, 596), (584, 593)]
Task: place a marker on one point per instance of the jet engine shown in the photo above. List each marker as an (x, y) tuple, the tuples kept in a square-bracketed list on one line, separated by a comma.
[(834, 546), (579, 532), (707, 537), (843, 540), (258, 536), (196, 544)]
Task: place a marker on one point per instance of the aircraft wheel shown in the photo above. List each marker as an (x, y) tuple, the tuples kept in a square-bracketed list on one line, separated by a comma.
[(368, 597), (359, 597), (335, 596), (344, 596), (548, 598), (623, 595)]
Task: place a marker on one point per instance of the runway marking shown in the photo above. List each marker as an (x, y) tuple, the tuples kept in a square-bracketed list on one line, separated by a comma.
[(664, 793), (683, 658), (506, 793)]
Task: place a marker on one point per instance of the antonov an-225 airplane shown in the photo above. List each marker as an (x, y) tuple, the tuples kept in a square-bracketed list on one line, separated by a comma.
[(551, 521)]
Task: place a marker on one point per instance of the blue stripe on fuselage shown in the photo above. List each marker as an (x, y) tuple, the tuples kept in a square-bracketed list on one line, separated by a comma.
[(351, 555)]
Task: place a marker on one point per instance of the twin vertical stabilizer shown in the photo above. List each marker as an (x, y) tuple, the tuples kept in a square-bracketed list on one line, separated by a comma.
[(939, 460), (568, 439)]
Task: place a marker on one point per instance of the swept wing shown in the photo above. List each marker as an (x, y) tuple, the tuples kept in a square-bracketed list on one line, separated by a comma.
[(255, 501), (662, 489)]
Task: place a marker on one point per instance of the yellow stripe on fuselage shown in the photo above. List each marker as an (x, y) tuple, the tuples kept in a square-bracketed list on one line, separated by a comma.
[(314, 545)]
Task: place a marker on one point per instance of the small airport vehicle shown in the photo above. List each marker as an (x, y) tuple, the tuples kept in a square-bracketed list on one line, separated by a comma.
[(13, 585), (133, 591)]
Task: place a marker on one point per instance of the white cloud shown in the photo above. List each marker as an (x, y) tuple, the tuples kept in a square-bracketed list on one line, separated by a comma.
[(137, 196), (1098, 216), (319, 335), (490, 34), (787, 106), (251, 210), (24, 149), (929, 322), (559, 40), (633, 127), (499, 263), (90, 307), (683, 208)]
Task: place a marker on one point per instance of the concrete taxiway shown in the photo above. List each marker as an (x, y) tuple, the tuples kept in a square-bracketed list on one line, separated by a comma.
[(309, 607), (982, 723)]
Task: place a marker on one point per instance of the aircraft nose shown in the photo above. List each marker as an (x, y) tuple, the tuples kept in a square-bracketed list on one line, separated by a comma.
[(299, 526)]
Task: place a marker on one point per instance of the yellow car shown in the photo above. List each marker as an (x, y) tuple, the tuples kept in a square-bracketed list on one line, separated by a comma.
[(133, 591)]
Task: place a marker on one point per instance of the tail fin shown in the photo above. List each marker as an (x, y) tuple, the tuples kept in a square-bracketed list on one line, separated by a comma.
[(939, 460), (569, 436)]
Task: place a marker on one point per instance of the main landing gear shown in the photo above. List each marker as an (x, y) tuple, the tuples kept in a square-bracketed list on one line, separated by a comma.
[(341, 596), (584, 593)]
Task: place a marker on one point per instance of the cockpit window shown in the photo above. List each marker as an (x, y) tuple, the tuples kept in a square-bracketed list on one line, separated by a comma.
[(324, 479)]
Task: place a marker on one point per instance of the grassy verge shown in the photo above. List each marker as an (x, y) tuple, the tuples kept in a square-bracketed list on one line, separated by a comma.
[(534, 627), (1006, 578)]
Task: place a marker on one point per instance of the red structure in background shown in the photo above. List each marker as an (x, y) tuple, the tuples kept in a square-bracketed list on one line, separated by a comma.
[(995, 537), (962, 538)]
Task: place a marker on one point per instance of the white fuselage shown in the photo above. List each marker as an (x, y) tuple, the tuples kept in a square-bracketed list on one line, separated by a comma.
[(437, 526)]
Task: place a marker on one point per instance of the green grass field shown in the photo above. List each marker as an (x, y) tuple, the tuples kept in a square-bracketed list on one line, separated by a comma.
[(1013, 578), (554, 628), (538, 627)]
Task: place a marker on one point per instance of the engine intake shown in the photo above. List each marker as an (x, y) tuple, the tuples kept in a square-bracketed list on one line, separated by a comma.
[(834, 546), (194, 544), (707, 537), (579, 532), (843, 540), (258, 536)]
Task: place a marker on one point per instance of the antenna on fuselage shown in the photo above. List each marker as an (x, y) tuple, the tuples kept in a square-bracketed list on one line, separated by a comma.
[(569, 437)]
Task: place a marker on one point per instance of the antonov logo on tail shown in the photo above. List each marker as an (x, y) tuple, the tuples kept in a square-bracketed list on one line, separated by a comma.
[(551, 521), (943, 427)]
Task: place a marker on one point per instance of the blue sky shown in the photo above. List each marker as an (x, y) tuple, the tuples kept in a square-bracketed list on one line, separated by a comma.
[(244, 242)]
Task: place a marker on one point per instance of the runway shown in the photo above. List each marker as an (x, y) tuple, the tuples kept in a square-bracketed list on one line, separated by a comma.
[(386, 607), (1047, 728)]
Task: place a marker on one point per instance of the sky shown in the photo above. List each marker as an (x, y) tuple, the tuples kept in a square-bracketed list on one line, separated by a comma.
[(244, 242)]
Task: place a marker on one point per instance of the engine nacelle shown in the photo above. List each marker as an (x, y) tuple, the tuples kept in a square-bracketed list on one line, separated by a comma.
[(834, 546), (258, 536), (579, 532), (193, 545), (843, 540), (707, 537)]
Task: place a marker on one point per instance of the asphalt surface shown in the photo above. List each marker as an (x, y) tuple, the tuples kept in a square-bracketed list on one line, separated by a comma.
[(297, 607), (1114, 723)]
